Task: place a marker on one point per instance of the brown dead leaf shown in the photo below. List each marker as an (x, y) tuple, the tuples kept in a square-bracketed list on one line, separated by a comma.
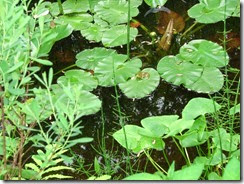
[(164, 19)]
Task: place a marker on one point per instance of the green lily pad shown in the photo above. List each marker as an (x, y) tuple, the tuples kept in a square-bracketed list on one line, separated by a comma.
[(89, 58), (209, 11), (204, 53), (117, 36), (93, 32), (78, 77), (193, 110), (76, 6), (142, 84), (76, 20), (173, 70), (115, 12), (211, 81), (137, 139), (115, 66)]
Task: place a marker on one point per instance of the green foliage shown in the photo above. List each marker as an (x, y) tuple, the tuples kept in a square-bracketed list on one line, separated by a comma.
[(141, 84), (195, 66), (143, 176), (208, 11), (155, 3)]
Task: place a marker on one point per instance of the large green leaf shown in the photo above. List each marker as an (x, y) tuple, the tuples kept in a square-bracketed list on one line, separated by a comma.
[(93, 32), (143, 176), (156, 124), (142, 84), (89, 58), (117, 35), (199, 106), (232, 170), (138, 139), (211, 81), (211, 11), (78, 77), (115, 12), (77, 20), (205, 53), (192, 172), (176, 71), (75, 6), (115, 66)]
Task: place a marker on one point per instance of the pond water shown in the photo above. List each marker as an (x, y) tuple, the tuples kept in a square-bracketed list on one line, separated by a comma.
[(167, 99)]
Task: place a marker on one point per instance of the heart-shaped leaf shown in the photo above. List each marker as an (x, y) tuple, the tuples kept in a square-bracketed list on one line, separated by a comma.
[(209, 11), (142, 84), (75, 6), (199, 106), (176, 71)]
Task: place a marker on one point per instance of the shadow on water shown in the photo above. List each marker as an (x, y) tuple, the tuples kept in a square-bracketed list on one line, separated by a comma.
[(167, 99)]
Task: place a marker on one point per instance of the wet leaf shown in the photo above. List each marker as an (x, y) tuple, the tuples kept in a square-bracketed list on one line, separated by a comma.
[(164, 19), (209, 11), (141, 84)]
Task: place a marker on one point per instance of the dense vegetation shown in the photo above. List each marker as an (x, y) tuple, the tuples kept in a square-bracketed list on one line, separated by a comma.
[(42, 108)]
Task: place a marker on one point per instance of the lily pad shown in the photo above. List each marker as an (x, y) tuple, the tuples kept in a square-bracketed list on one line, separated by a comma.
[(89, 58), (115, 66), (211, 81), (76, 20), (142, 84), (75, 6), (176, 71), (78, 77), (193, 110), (209, 11), (205, 53), (115, 12), (117, 36), (93, 32)]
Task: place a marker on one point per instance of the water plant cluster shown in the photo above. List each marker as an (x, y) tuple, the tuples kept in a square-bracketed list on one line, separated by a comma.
[(41, 110)]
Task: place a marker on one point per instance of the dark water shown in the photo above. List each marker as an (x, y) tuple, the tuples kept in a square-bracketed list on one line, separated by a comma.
[(167, 99)]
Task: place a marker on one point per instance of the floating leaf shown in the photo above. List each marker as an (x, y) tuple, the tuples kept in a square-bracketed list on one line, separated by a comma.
[(115, 66), (115, 12), (173, 70), (209, 11), (164, 19), (78, 77), (211, 81), (93, 32), (137, 139), (117, 35), (142, 84), (199, 106), (89, 58), (205, 53)]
